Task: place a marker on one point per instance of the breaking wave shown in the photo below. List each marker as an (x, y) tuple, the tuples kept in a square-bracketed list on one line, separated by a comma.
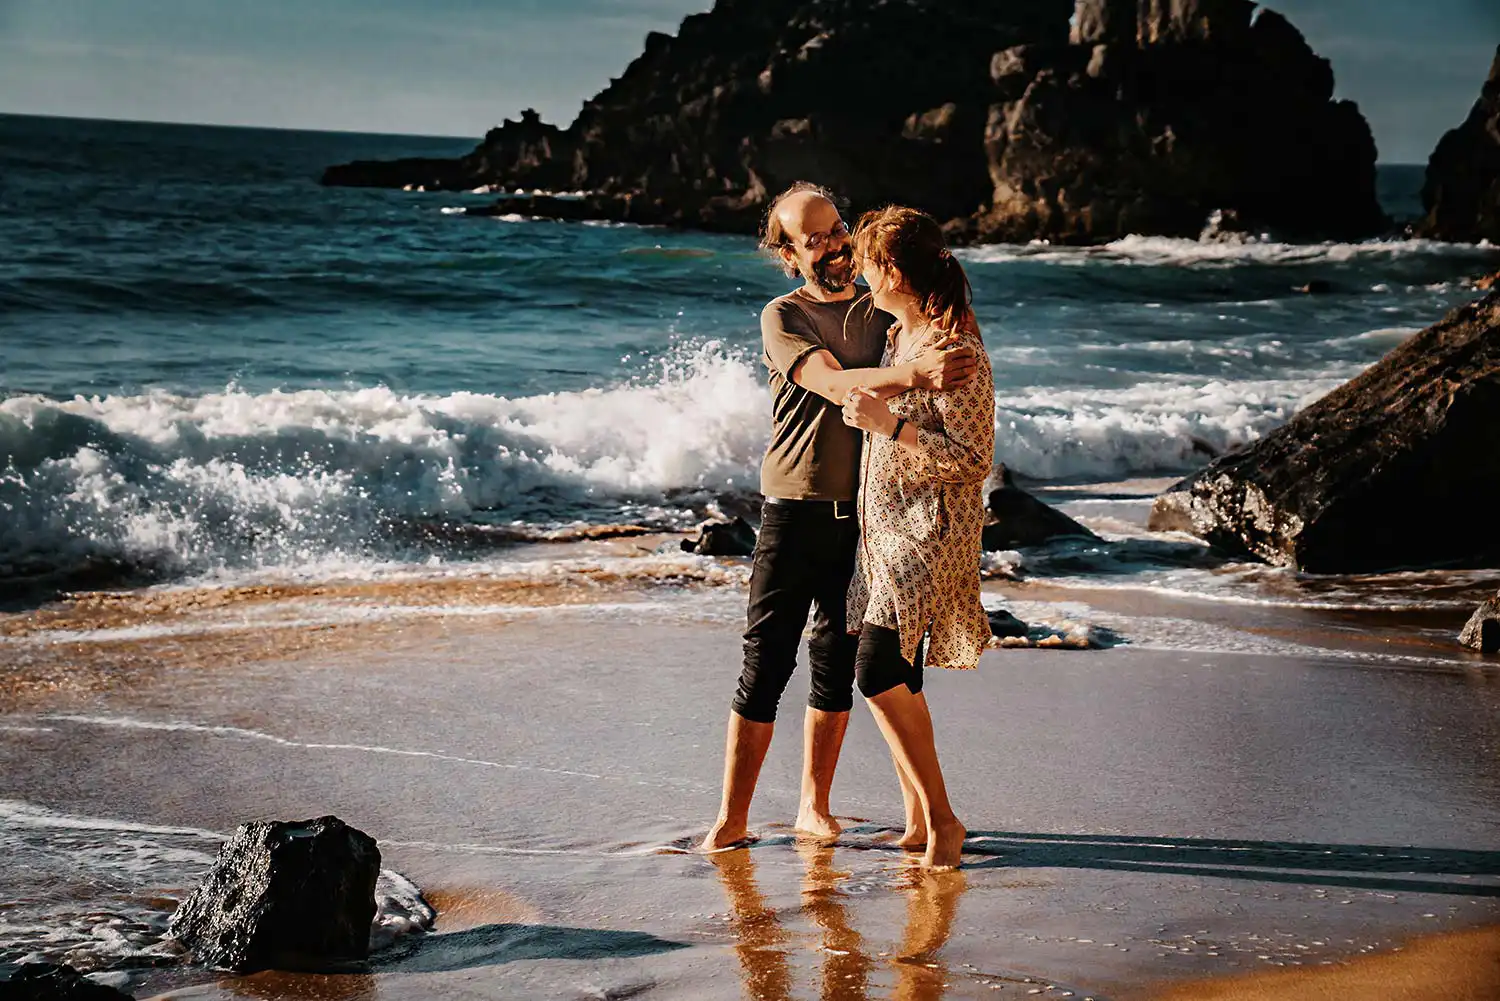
[(174, 485)]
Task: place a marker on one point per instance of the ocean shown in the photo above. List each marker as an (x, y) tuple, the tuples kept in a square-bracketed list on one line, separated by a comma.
[(338, 480), (212, 367)]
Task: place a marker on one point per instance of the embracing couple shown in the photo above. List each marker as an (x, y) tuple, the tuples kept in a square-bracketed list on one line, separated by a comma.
[(883, 435)]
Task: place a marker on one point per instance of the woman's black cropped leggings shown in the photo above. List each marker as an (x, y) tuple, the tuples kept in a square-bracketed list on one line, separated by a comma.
[(879, 666)]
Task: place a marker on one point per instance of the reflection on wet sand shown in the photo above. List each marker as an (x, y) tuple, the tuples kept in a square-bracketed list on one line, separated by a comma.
[(764, 947)]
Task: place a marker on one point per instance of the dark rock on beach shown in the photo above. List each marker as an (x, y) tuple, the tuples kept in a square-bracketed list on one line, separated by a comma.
[(722, 538), (1149, 117), (1395, 468), (1004, 624), (1462, 192), (52, 982), (283, 895), (1018, 519), (1482, 632)]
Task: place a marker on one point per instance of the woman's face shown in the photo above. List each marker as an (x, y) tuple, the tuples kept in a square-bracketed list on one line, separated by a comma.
[(883, 284)]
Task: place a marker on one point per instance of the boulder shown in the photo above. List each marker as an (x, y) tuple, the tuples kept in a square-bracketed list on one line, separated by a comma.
[(1482, 632), (722, 538), (1462, 191), (1395, 468), (284, 895), (1144, 116), (1019, 519), (1004, 624), (52, 982)]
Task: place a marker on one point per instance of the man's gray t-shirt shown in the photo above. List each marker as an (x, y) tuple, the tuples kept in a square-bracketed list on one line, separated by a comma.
[(813, 454)]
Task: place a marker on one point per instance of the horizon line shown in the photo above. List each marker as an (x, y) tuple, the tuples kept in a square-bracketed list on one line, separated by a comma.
[(356, 132)]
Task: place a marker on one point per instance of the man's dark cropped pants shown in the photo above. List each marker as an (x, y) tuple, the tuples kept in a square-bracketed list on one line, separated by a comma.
[(804, 558)]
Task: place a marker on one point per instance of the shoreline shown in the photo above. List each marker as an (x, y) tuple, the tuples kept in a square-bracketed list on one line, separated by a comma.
[(543, 770)]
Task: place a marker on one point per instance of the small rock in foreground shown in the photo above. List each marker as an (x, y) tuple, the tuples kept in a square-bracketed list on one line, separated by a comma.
[(1482, 632), (284, 896), (722, 538), (52, 982)]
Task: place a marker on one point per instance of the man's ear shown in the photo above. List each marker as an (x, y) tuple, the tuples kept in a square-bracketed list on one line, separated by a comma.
[(789, 260)]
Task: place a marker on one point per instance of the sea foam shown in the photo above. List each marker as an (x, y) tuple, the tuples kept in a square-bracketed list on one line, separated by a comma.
[(183, 484), (1226, 253)]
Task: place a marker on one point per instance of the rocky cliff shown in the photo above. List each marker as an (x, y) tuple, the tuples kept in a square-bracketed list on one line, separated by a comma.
[(1030, 119), (1462, 193)]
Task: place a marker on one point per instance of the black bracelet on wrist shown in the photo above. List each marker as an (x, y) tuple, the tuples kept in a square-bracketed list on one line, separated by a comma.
[(896, 432)]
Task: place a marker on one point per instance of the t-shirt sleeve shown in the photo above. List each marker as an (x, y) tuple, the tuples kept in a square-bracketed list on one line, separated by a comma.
[(788, 336)]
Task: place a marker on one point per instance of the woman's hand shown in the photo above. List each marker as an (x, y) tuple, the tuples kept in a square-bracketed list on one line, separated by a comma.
[(864, 409)]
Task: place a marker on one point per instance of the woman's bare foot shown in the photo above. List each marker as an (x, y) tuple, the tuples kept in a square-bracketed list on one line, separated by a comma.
[(915, 838), (945, 848), (725, 835), (818, 823)]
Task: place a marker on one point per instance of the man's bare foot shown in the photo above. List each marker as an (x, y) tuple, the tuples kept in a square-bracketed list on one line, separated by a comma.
[(818, 823), (945, 848), (915, 838), (725, 835)]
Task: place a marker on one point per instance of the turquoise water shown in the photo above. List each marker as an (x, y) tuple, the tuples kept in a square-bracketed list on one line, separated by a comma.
[(209, 363)]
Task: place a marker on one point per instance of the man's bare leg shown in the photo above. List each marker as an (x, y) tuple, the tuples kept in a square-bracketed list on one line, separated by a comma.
[(822, 739), (745, 748), (907, 726)]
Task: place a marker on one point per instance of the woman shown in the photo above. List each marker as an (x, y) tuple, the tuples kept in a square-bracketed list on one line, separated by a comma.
[(926, 457)]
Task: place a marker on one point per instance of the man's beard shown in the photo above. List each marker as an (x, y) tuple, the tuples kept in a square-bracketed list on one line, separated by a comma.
[(834, 272)]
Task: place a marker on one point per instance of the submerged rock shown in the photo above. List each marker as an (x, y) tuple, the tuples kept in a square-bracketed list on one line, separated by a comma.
[(284, 895), (722, 538), (53, 982), (1395, 468), (1462, 191), (1149, 117), (1482, 632), (1019, 519)]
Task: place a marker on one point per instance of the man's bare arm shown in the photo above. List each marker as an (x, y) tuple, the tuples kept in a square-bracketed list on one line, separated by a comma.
[(941, 367)]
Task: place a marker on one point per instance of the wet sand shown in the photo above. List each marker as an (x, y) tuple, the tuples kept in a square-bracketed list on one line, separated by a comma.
[(1139, 816)]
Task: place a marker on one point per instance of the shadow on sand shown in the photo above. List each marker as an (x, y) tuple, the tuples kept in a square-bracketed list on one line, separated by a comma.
[(496, 944), (1359, 867)]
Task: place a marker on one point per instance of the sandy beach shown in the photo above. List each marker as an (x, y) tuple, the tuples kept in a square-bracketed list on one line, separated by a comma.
[(539, 761)]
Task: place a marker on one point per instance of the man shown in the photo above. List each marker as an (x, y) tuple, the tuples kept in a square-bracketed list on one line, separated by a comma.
[(821, 341)]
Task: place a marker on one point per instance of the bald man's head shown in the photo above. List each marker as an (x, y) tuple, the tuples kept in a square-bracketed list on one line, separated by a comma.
[(807, 236)]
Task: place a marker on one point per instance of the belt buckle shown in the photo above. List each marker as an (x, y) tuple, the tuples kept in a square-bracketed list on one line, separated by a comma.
[(841, 506)]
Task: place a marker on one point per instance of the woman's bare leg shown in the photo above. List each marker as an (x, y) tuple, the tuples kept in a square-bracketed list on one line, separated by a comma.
[(907, 725), (915, 836)]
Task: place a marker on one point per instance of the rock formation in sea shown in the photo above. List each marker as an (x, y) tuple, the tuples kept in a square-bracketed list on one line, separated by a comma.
[(284, 895), (1395, 468), (1462, 192), (1482, 631), (1030, 119)]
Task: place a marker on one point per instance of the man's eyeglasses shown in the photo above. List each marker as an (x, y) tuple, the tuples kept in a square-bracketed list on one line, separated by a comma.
[(816, 240)]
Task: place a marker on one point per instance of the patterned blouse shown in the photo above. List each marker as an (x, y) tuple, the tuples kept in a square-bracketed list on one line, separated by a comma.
[(921, 511)]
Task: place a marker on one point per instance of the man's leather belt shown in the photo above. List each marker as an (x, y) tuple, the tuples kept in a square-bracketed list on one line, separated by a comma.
[(838, 509)]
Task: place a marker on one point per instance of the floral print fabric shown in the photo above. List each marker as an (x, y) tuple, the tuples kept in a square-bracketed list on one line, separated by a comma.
[(921, 513)]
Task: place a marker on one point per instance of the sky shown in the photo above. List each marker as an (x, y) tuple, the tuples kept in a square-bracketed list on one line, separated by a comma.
[(457, 67)]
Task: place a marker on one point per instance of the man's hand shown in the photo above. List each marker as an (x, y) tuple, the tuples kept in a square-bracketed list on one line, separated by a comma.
[(866, 410), (945, 365)]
